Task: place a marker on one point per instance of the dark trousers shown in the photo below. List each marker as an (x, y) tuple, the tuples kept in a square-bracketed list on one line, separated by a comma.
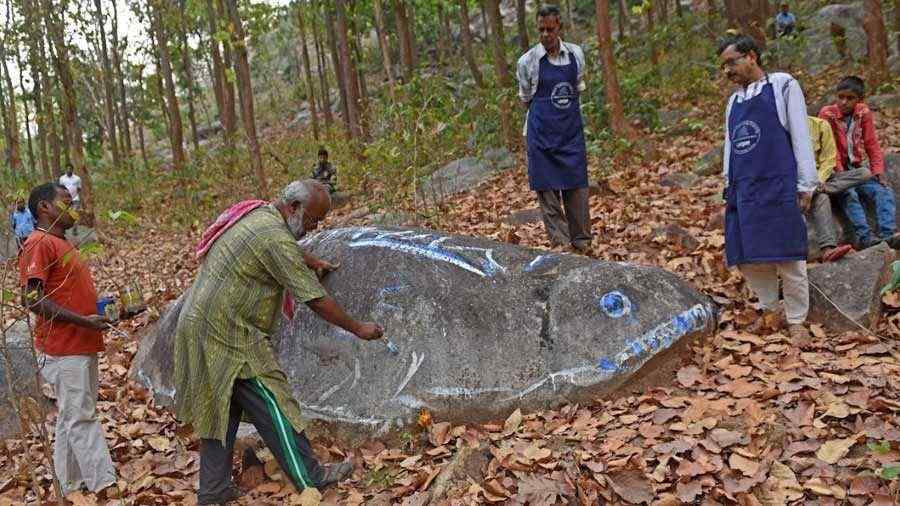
[(290, 448), (573, 226)]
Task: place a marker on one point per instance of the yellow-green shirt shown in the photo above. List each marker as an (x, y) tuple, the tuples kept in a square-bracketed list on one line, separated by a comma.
[(824, 147), (230, 312)]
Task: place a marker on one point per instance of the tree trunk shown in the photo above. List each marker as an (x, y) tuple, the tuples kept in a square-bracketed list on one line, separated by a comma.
[(222, 87), (407, 52), (443, 45), (348, 70), (570, 18), (383, 44), (310, 88), (158, 15), (498, 43), (522, 19), (10, 128), (663, 10), (49, 89), (109, 101), (140, 122), (466, 36), (623, 19), (69, 106), (897, 23), (363, 91), (679, 10), (38, 67), (338, 68), (124, 117), (187, 68), (617, 121), (31, 160), (322, 65), (484, 20), (876, 38), (654, 50), (245, 93), (445, 29)]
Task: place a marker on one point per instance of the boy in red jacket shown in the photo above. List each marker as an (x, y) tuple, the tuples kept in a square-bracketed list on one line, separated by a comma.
[(853, 125)]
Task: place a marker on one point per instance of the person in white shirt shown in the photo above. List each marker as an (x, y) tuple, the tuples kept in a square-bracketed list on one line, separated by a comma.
[(72, 183), (770, 175), (551, 78)]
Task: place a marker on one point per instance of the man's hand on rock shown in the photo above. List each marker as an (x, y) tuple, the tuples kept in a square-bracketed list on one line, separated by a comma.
[(369, 331), (322, 268), (805, 200)]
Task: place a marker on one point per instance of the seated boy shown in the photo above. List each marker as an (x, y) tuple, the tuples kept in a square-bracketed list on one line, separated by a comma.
[(853, 125), (820, 211), (324, 172)]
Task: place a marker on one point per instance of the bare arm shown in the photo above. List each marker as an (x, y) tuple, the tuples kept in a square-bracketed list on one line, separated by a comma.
[(34, 299), (332, 312)]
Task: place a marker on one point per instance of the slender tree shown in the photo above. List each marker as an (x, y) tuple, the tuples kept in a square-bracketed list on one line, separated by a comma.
[(383, 44), (223, 89), (623, 18), (338, 67), (610, 77), (522, 20), (877, 41), (187, 68), (322, 70), (118, 51), (651, 26), (27, 119), (109, 98), (404, 35), (72, 132), (348, 70), (245, 93), (159, 11), (498, 43), (466, 36), (304, 53)]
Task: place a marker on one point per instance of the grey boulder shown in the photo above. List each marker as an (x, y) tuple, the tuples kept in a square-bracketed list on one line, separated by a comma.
[(464, 174), (850, 289), (477, 328), (22, 371)]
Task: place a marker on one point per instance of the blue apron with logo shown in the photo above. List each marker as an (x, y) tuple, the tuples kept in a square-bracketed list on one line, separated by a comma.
[(557, 158), (763, 222)]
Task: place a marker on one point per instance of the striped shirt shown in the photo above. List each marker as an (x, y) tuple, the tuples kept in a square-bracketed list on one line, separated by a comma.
[(230, 312)]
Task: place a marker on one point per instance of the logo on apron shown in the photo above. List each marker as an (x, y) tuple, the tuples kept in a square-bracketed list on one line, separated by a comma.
[(745, 137), (562, 95)]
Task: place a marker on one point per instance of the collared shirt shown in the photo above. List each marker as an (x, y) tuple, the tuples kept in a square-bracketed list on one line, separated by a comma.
[(228, 316), (785, 19), (73, 184), (528, 70), (22, 222), (823, 146), (791, 106)]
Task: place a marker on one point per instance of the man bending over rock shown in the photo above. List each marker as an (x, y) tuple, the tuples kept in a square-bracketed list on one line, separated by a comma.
[(225, 367)]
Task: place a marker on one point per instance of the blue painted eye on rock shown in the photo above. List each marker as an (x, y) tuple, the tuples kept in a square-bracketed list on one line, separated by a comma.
[(615, 304)]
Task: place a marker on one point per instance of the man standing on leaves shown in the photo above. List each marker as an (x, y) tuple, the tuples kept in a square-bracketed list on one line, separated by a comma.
[(58, 288), (551, 76), (72, 183), (770, 174), (225, 366)]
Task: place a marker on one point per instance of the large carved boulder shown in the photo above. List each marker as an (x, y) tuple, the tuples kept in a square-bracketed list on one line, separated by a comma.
[(21, 371), (478, 328)]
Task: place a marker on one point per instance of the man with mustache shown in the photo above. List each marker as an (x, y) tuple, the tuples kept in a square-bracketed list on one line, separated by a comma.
[(225, 367), (770, 175), (551, 79)]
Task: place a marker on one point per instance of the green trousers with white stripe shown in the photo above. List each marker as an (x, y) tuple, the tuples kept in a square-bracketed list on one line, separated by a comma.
[(290, 448)]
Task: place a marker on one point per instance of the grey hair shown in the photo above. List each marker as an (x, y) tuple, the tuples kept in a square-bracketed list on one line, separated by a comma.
[(302, 191)]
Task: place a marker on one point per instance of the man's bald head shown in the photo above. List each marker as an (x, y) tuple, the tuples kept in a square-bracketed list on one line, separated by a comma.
[(304, 204)]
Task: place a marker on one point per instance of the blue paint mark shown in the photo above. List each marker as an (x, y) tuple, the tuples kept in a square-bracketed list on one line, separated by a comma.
[(393, 289), (615, 304), (392, 348), (432, 251), (542, 261), (659, 338)]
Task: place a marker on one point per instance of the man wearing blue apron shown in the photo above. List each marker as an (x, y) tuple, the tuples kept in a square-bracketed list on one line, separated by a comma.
[(770, 174), (551, 76)]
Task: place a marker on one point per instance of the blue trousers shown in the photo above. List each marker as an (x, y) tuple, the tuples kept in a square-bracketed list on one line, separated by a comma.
[(883, 199)]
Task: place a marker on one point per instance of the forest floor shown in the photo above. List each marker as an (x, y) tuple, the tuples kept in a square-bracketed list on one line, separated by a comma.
[(750, 419)]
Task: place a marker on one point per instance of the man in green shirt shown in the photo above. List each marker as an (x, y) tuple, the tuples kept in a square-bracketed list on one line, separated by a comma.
[(225, 367)]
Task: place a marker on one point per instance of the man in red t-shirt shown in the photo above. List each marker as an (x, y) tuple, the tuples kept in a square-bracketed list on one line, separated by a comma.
[(58, 288)]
